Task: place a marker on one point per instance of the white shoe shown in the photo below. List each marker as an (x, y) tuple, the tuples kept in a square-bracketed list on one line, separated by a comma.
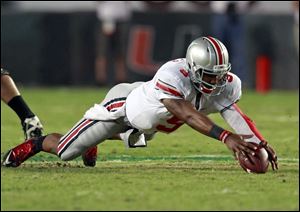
[(32, 127)]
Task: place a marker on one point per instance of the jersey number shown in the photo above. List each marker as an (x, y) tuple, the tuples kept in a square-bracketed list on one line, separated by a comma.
[(173, 124)]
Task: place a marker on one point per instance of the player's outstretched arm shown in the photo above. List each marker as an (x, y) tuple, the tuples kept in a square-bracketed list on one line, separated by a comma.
[(242, 124), (186, 112)]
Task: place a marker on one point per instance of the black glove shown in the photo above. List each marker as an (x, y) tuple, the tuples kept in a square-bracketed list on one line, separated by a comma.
[(271, 154)]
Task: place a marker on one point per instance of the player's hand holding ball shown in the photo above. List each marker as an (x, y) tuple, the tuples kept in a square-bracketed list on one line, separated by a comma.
[(236, 144), (252, 157), (257, 163), (272, 157)]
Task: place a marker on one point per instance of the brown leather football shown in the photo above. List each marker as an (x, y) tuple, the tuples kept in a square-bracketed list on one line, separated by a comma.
[(257, 163)]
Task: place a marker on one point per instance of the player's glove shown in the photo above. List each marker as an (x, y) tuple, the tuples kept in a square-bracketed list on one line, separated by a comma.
[(271, 154)]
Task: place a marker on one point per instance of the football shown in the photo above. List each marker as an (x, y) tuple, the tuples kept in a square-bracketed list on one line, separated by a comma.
[(257, 163)]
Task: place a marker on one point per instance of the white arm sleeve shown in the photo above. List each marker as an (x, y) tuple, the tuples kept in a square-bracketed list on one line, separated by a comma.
[(239, 124)]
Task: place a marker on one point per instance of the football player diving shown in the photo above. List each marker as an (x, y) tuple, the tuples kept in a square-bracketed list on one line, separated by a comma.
[(183, 91)]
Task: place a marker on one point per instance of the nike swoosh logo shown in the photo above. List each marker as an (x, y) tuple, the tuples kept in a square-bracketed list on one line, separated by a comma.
[(7, 162)]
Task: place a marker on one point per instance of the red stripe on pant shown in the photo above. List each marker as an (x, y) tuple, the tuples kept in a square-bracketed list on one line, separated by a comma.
[(115, 105), (71, 135)]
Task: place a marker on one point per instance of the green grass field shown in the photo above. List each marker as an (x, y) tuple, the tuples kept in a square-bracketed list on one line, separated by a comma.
[(180, 171)]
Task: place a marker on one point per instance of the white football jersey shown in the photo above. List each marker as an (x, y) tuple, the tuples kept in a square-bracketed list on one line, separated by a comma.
[(146, 112)]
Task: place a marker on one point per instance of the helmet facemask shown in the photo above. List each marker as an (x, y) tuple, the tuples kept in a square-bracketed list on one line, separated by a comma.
[(202, 78)]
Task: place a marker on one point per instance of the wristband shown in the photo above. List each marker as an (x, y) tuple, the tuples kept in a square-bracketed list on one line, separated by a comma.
[(219, 133)]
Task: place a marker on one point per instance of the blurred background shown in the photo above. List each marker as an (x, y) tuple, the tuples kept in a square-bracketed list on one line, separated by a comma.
[(102, 43)]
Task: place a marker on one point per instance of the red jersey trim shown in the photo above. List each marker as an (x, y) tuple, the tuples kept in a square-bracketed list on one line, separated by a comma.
[(166, 88), (249, 122)]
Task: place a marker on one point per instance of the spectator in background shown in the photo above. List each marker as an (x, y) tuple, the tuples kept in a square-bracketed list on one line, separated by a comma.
[(228, 26), (111, 39)]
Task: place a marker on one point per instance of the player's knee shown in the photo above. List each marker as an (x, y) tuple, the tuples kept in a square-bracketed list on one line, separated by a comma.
[(69, 154), (65, 157)]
